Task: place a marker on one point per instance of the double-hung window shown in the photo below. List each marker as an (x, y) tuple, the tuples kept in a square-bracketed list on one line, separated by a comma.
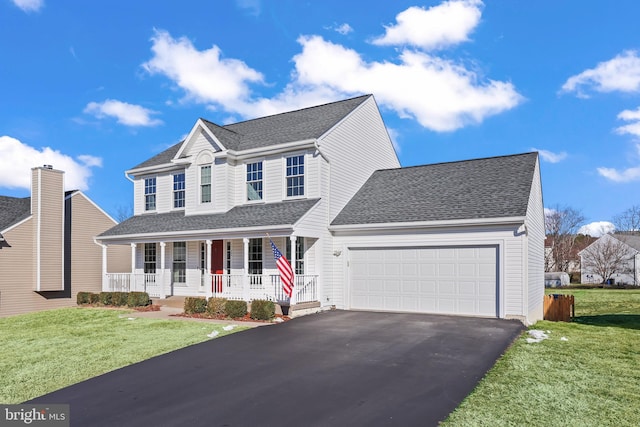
[(254, 181), (150, 258), (295, 176), (179, 262), (150, 194), (205, 184), (255, 256), (299, 254), (178, 190)]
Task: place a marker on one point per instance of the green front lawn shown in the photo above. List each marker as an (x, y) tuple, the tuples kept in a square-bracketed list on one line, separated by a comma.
[(42, 352), (589, 378)]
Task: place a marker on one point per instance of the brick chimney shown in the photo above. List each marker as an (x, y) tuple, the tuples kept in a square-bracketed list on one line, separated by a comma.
[(47, 210)]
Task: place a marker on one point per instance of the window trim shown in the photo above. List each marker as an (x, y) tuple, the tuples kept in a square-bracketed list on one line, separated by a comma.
[(299, 268), (256, 243), (180, 265), (150, 258), (287, 177), (202, 185), (179, 191), (247, 182), (148, 195)]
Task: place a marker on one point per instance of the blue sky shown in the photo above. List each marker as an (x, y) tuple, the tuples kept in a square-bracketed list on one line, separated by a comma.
[(95, 88)]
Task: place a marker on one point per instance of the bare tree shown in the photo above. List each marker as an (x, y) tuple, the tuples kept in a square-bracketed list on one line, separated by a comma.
[(123, 212), (561, 226), (607, 257), (628, 221)]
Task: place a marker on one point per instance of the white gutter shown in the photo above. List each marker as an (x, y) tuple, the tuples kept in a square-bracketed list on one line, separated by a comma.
[(272, 149), (428, 224)]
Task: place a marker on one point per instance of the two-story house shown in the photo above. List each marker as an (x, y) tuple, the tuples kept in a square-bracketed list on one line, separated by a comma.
[(325, 185)]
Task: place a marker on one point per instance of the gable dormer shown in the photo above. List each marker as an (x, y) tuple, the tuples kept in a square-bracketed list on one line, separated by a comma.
[(202, 137)]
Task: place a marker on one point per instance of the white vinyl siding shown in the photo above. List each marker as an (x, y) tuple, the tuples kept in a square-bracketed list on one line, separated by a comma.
[(535, 249), (356, 147)]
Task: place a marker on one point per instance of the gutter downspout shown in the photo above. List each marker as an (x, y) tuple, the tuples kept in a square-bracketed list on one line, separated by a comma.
[(126, 175), (320, 294)]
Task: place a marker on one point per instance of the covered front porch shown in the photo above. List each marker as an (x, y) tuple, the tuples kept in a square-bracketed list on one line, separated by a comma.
[(232, 268)]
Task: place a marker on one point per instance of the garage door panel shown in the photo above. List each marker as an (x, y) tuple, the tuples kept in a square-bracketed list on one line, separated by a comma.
[(451, 280)]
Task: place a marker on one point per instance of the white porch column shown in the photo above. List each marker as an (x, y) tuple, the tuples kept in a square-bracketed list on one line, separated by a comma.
[(133, 258), (162, 269), (245, 281), (132, 276), (105, 279), (208, 282), (293, 239)]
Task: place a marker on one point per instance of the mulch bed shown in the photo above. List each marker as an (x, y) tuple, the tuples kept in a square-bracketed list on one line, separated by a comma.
[(245, 318)]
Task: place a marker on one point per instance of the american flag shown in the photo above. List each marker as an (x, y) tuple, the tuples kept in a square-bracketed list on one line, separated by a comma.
[(286, 273)]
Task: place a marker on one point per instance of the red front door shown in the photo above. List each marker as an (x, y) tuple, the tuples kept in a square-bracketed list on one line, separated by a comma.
[(217, 264)]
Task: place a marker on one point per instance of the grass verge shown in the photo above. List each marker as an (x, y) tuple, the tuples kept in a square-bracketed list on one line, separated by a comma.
[(45, 351), (584, 374)]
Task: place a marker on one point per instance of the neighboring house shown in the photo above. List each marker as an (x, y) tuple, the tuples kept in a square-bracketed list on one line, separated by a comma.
[(47, 248), (614, 257), (324, 183), (580, 242)]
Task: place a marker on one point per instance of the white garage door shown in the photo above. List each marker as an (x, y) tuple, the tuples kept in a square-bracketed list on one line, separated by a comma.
[(447, 280)]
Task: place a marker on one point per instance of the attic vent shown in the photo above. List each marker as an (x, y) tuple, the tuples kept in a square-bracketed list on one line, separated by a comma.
[(48, 166)]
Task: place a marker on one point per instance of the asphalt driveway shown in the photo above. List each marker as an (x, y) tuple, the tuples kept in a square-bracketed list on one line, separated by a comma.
[(337, 368)]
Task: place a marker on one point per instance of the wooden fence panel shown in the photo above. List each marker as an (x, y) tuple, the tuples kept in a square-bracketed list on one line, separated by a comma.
[(559, 308)]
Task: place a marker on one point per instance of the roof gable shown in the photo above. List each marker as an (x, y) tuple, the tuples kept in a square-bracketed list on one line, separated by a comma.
[(299, 125), (13, 210), (496, 187)]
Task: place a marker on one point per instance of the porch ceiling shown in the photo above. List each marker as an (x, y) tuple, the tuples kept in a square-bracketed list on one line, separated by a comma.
[(248, 216)]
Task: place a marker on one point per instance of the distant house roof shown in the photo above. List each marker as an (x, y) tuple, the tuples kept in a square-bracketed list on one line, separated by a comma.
[(270, 214), (629, 239), (495, 187), (13, 210), (299, 125)]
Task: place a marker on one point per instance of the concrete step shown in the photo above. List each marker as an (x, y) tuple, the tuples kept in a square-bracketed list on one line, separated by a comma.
[(173, 301)]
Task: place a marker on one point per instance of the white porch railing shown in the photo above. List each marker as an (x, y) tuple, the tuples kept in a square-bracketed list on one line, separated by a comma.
[(268, 287), (229, 286), (140, 282)]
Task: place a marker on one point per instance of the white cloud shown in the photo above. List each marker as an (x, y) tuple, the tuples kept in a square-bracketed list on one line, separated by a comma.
[(343, 29), (17, 159), (254, 7), (597, 228), (631, 128), (203, 75), (626, 175), (441, 94), (126, 114), (446, 24), (29, 5), (620, 74), (550, 156)]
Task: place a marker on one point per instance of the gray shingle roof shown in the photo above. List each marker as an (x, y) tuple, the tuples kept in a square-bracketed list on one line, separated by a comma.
[(13, 210), (299, 125), (496, 187), (161, 158), (282, 213), (629, 239)]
